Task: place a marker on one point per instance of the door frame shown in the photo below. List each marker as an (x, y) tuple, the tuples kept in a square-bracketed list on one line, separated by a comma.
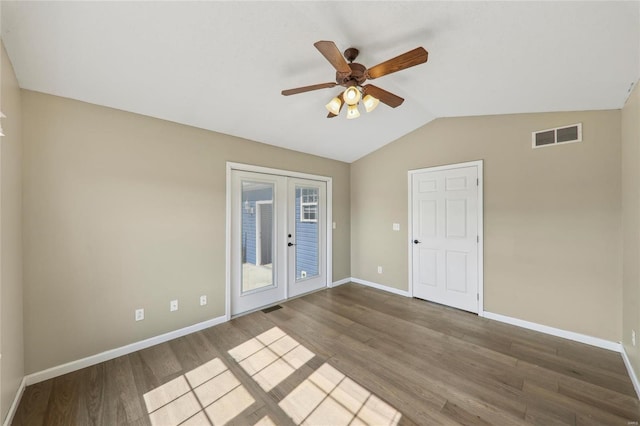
[(287, 173), (479, 165)]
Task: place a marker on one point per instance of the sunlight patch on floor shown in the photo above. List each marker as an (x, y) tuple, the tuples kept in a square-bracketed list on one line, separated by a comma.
[(271, 357), (207, 395), (330, 397), (212, 395), (265, 421)]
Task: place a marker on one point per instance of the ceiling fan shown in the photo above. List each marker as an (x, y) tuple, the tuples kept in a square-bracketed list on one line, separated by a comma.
[(352, 75)]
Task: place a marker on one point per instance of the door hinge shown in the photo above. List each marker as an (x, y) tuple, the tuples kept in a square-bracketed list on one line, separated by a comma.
[(478, 297), (478, 238), (477, 181)]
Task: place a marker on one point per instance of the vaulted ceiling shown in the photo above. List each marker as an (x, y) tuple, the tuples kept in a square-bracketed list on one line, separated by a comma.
[(222, 65)]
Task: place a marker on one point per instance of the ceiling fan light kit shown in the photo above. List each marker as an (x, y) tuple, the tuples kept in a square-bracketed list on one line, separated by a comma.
[(334, 106), (352, 111), (370, 103), (352, 75), (352, 95)]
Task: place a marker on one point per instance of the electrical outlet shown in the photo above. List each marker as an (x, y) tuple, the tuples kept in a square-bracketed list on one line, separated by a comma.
[(173, 305), (203, 300), (633, 337), (379, 269), (334, 225), (139, 314)]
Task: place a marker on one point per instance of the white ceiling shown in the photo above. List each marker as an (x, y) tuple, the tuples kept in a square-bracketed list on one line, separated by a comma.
[(221, 65)]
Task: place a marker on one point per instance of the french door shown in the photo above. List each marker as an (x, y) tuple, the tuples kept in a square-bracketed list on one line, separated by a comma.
[(278, 238)]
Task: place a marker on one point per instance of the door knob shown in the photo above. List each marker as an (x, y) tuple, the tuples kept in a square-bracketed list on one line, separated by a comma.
[(416, 242), (291, 244)]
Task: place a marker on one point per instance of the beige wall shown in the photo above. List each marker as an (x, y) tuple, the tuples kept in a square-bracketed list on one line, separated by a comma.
[(11, 330), (125, 211), (631, 226), (551, 215)]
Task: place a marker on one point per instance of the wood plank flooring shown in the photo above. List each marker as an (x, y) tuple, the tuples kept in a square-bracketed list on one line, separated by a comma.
[(347, 355)]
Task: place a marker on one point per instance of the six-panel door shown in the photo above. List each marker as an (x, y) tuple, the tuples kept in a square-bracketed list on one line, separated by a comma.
[(445, 236)]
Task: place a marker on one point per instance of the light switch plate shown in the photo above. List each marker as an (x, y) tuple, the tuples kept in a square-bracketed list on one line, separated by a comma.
[(396, 226)]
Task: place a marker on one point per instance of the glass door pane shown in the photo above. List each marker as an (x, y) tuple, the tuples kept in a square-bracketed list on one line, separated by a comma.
[(258, 253), (257, 232), (307, 232)]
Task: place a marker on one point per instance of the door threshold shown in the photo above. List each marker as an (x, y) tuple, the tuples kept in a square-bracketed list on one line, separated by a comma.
[(272, 306)]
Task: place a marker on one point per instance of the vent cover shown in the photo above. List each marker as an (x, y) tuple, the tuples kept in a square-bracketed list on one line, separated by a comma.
[(271, 309), (559, 135)]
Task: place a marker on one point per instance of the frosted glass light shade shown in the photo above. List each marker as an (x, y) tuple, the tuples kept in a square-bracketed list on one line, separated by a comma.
[(334, 106), (351, 95), (352, 112), (370, 103)]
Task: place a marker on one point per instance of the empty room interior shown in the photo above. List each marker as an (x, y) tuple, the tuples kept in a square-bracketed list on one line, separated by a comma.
[(323, 213)]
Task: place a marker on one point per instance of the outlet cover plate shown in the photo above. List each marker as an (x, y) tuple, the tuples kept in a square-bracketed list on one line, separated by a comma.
[(173, 305), (139, 314)]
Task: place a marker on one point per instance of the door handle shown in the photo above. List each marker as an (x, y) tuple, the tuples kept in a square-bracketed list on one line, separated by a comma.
[(416, 242), (291, 244)]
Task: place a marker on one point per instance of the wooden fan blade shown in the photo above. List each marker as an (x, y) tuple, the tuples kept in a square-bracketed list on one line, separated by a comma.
[(308, 88), (330, 51), (384, 96), (412, 58)]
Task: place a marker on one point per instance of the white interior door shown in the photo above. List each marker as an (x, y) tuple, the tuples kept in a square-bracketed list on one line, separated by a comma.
[(445, 237), (306, 236), (258, 248)]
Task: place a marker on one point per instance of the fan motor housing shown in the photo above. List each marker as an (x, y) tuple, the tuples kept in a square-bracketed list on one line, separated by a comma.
[(358, 75)]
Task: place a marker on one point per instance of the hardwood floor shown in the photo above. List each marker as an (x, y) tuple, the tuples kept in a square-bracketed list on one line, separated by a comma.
[(348, 355)]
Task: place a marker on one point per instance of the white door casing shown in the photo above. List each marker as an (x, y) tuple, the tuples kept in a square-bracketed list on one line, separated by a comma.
[(446, 224)]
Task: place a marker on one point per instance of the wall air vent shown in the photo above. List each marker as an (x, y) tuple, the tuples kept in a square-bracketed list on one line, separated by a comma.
[(557, 136)]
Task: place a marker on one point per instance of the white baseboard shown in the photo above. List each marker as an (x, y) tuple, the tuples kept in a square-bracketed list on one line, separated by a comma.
[(631, 371), (123, 350), (582, 338), (14, 405), (381, 287), (340, 282)]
